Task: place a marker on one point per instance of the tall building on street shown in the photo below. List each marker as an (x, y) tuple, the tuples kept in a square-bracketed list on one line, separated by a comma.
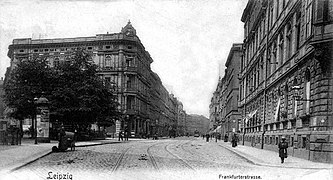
[(123, 62), (286, 81), (214, 109), (225, 116), (230, 116)]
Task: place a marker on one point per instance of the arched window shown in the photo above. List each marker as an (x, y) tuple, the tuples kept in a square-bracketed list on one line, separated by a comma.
[(281, 48), (286, 97), (108, 61), (56, 62), (289, 41)]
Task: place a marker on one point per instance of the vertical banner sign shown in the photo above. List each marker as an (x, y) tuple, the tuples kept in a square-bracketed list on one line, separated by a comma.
[(43, 122)]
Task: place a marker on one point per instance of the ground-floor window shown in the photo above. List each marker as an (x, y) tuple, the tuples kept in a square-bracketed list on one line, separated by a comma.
[(276, 140), (266, 140), (285, 125)]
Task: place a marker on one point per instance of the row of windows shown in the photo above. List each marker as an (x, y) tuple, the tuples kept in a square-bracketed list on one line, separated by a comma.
[(303, 141), (89, 48), (282, 100), (280, 50)]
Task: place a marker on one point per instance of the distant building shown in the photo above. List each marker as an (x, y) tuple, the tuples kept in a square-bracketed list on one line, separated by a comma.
[(214, 109), (286, 77), (123, 63), (230, 116), (196, 122), (181, 119), (225, 117)]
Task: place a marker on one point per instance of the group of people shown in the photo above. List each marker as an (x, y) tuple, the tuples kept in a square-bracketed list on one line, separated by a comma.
[(123, 135), (283, 145), (234, 138)]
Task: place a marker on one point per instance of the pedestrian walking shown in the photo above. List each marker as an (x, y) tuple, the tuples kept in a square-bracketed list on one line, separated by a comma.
[(226, 137), (219, 136), (207, 137), (126, 135), (283, 145), (234, 140), (62, 146), (215, 137), (120, 136)]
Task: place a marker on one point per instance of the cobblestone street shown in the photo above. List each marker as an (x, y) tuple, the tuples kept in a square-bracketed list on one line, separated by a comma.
[(180, 158)]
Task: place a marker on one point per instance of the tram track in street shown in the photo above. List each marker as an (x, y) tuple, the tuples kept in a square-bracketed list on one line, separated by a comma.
[(151, 157), (194, 152), (119, 160), (178, 158)]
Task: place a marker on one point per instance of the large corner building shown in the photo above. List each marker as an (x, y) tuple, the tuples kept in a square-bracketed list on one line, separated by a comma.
[(122, 60)]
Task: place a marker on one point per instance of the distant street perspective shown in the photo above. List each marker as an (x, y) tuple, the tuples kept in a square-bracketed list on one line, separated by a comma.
[(176, 158), (163, 89)]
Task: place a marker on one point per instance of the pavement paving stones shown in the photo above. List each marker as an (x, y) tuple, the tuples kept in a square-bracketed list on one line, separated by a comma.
[(271, 158), (16, 156)]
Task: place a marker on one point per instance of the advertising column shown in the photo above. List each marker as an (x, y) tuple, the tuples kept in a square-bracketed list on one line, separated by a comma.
[(43, 124)]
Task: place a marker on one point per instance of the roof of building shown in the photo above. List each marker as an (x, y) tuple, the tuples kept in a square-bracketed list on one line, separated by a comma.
[(235, 47), (247, 10)]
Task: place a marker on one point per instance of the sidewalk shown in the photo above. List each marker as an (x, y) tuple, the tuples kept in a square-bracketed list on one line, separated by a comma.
[(14, 157), (263, 157)]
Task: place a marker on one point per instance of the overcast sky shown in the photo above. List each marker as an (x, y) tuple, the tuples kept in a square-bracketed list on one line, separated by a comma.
[(189, 41)]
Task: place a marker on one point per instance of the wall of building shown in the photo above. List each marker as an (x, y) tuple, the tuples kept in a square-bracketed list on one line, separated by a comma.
[(285, 86), (227, 94), (123, 64)]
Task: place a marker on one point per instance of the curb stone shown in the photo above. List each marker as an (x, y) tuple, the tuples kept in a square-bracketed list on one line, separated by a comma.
[(50, 152), (243, 156)]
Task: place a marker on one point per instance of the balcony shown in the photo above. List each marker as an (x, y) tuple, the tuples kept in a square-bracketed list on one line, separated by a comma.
[(130, 69), (131, 110), (130, 89)]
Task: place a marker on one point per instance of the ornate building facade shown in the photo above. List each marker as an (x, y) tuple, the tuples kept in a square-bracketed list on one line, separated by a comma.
[(124, 64), (225, 116), (230, 116), (286, 84), (214, 109)]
